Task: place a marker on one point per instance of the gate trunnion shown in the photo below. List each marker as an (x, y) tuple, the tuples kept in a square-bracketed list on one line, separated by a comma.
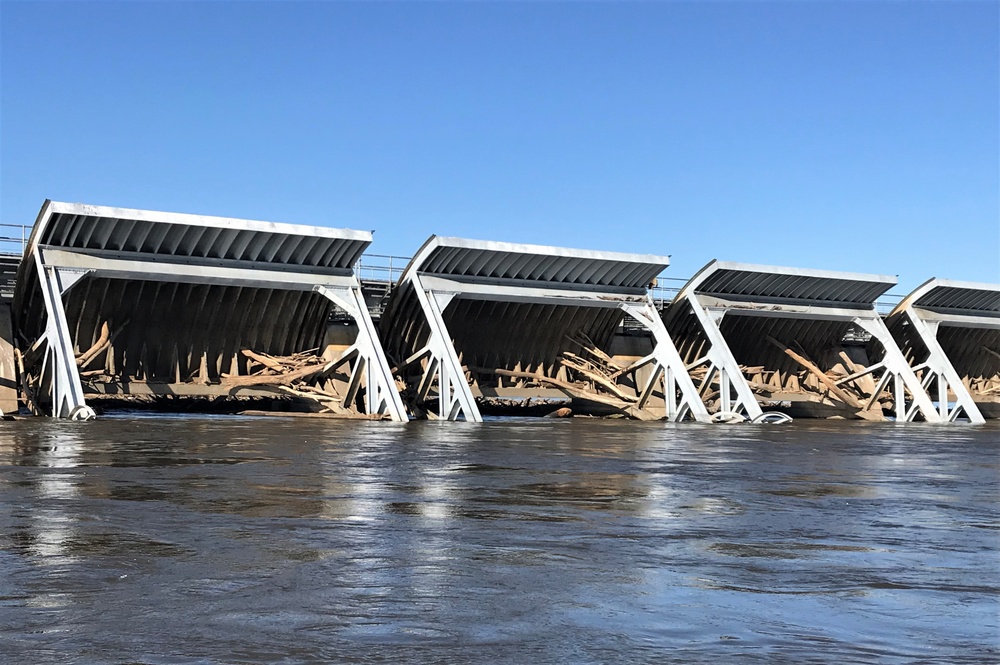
[(169, 301), (475, 312)]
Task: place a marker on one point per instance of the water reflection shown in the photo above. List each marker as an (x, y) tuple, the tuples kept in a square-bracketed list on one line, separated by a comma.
[(51, 525), (570, 541)]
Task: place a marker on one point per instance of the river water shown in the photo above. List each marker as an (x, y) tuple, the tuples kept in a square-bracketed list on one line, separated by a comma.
[(152, 539)]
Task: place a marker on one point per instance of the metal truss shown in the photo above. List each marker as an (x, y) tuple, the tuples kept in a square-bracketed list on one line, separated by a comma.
[(669, 374), (370, 368), (735, 396), (58, 359), (939, 375)]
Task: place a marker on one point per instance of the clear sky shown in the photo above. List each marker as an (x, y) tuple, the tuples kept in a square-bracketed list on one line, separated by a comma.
[(861, 136)]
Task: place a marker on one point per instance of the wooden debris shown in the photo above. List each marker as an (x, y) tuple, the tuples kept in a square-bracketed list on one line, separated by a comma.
[(593, 373), (263, 359), (588, 346), (301, 375), (286, 378), (577, 391), (840, 394), (103, 343)]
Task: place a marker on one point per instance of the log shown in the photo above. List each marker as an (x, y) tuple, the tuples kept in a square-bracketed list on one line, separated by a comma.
[(278, 379), (527, 375), (102, 341), (840, 394), (265, 360), (598, 379), (861, 374), (574, 391), (590, 347), (865, 384), (641, 362)]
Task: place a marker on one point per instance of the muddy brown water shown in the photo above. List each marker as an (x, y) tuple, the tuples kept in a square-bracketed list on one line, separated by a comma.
[(195, 539)]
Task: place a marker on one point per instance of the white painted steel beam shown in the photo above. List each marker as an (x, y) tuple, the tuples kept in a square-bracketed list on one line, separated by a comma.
[(735, 395), (59, 359), (135, 266), (937, 304), (381, 396), (733, 289), (455, 398), (499, 292), (904, 379), (669, 372)]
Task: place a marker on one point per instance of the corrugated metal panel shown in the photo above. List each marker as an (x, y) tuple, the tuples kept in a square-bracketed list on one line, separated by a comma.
[(747, 334), (459, 257), (944, 294), (967, 347), (166, 327), (748, 281), (73, 225)]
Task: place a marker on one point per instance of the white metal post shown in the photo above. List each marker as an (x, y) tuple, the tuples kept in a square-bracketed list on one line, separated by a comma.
[(381, 395), (904, 376), (720, 356), (66, 389), (669, 367), (454, 394)]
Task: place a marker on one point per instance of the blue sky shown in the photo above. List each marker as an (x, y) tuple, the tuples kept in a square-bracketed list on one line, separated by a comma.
[(861, 136)]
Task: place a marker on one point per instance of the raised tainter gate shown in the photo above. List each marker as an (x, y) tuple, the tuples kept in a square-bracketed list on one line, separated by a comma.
[(111, 300), (949, 332), (468, 315), (757, 336)]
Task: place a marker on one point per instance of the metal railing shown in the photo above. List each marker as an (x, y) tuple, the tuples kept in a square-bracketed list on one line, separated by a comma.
[(888, 302), (381, 267), (13, 239)]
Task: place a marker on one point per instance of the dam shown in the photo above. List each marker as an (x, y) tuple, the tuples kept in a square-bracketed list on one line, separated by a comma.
[(106, 306)]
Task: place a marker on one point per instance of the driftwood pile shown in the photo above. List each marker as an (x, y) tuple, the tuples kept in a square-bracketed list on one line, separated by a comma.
[(846, 383), (590, 377), (985, 387), (302, 375)]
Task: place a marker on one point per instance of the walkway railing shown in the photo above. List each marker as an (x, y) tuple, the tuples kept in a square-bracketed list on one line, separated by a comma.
[(381, 267), (13, 239)]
